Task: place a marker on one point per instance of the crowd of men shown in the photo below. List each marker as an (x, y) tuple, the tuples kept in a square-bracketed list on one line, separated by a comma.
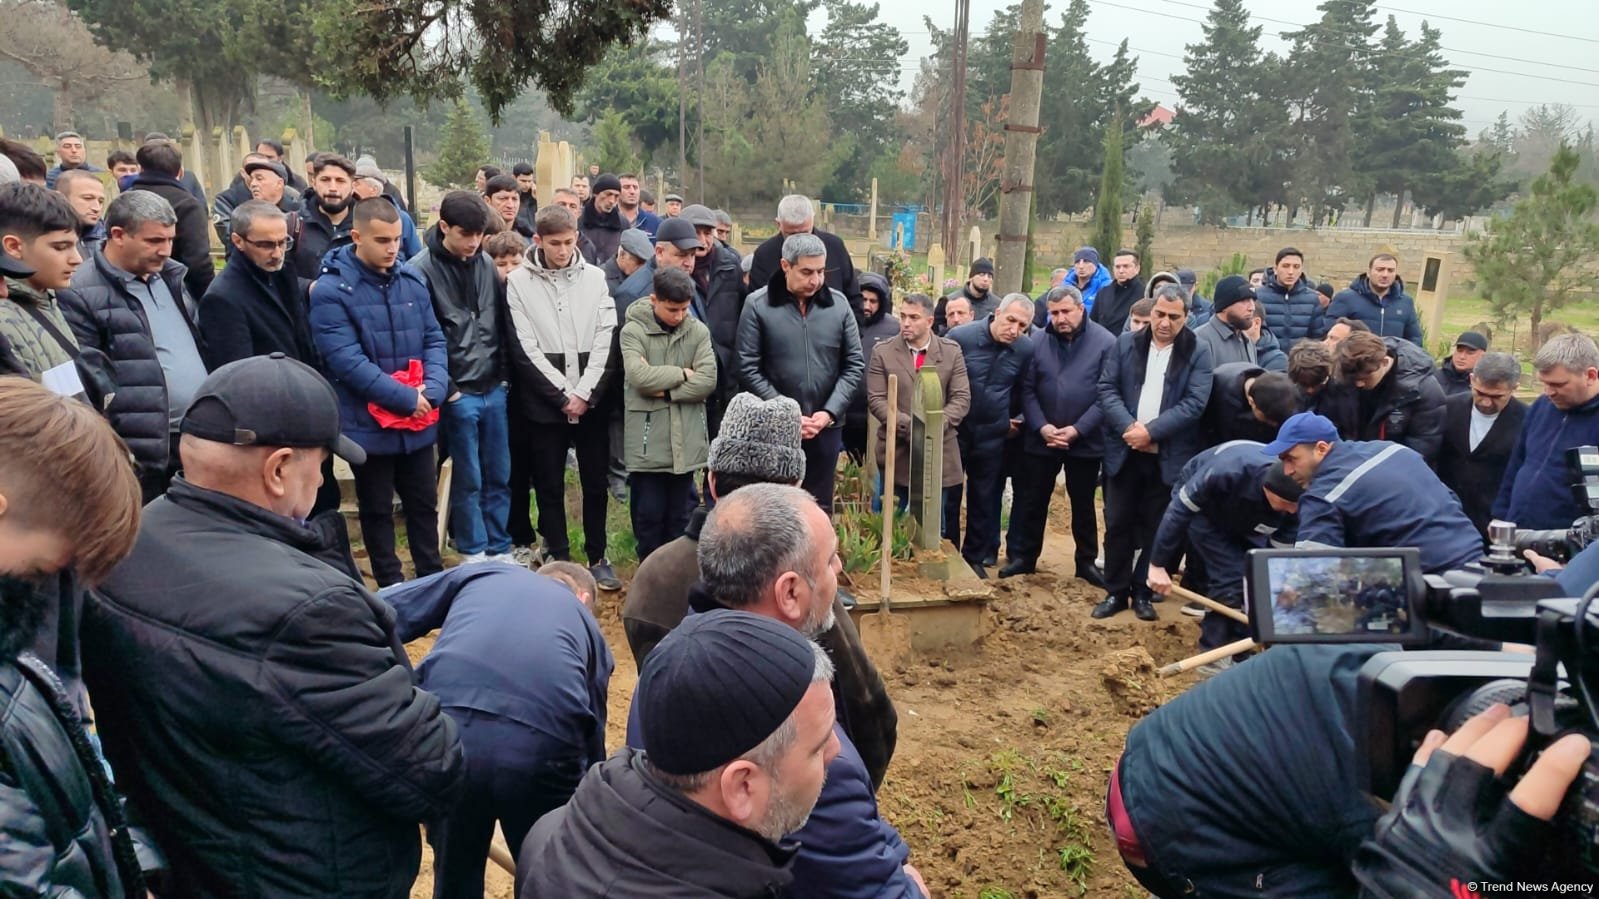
[(253, 697)]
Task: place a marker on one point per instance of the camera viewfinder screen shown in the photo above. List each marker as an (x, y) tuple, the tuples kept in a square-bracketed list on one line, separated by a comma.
[(1341, 595)]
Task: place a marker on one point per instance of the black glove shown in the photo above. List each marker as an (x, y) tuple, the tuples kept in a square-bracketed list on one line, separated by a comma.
[(1452, 824)]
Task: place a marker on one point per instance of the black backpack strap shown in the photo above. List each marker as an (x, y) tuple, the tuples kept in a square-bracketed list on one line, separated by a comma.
[(67, 343)]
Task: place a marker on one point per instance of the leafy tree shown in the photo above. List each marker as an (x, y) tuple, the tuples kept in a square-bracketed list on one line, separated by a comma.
[(1075, 113), (1328, 88), (1470, 183), (856, 64), (425, 48), (1540, 256), (1501, 135), (1541, 131), (463, 148), (1416, 130), (56, 47), (747, 31), (1228, 132), (614, 147), (639, 84), (1107, 236)]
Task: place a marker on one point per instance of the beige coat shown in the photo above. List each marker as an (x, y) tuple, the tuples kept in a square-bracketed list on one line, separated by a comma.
[(894, 356)]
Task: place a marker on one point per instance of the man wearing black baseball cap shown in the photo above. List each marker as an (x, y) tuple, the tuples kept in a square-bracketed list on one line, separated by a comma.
[(1454, 373), (239, 663)]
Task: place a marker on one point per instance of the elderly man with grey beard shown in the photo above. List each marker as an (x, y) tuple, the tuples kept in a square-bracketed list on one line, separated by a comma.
[(769, 549), (797, 337)]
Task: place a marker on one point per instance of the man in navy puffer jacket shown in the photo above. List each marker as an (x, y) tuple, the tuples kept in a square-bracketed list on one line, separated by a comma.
[(371, 316), (1292, 307)]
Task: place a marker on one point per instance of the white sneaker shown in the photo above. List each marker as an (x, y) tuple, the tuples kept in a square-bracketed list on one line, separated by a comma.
[(1194, 609), (474, 558), (508, 558)]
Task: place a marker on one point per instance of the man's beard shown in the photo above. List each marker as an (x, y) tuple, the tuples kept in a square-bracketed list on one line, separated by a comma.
[(783, 814), (335, 205), (24, 604), (818, 621)]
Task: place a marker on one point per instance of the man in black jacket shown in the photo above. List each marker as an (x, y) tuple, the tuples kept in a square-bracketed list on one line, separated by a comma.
[(467, 298), (1115, 300), (795, 215), (602, 221), (526, 185), (67, 497), (1397, 396), (272, 735), (161, 168), (1247, 402), (130, 303), (721, 285), (325, 220), (797, 337), (1481, 428), (1454, 373)]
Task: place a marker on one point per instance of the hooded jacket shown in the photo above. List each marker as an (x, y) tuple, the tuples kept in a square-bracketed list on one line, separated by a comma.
[(665, 433), (544, 305), (604, 229), (1099, 279), (33, 347), (317, 235), (105, 316), (1536, 492), (624, 833), (815, 358), (1113, 304), (1391, 316), (874, 329), (467, 297), (367, 326), (1452, 379), (1407, 406), (1291, 313), (1175, 430), (272, 735), (251, 312)]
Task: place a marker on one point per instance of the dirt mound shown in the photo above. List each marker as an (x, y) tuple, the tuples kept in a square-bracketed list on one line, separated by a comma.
[(1130, 679)]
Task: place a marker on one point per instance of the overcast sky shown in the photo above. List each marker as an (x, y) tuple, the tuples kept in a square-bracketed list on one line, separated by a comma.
[(1558, 64)]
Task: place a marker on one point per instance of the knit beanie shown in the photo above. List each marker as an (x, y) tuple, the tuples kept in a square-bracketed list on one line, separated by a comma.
[(981, 266), (605, 182), (760, 440), (1230, 290), (717, 686), (1278, 482), (1086, 254)]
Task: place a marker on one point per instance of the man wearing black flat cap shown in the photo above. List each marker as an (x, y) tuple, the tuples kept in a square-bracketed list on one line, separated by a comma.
[(602, 221), (1233, 314), (252, 694), (730, 765)]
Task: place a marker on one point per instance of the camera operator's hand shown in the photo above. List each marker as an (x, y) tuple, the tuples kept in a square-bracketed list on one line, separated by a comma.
[(1541, 564), (1452, 821)]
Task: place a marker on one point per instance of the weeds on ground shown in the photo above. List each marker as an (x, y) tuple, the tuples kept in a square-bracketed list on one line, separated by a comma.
[(1031, 793)]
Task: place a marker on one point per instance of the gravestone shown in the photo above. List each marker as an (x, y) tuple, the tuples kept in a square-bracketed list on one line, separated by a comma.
[(935, 268), (927, 460)]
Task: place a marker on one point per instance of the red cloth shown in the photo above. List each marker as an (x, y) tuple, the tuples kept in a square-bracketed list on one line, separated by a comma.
[(1127, 842), (411, 377)]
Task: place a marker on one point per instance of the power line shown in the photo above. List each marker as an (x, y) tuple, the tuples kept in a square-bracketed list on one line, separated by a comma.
[(1496, 25)]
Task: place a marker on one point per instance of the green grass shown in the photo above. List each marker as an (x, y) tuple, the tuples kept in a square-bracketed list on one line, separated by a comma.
[(1464, 312)]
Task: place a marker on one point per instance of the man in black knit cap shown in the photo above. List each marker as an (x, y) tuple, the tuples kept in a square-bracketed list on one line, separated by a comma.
[(730, 765)]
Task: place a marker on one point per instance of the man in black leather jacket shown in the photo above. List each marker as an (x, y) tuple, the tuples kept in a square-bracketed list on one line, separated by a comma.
[(68, 497)]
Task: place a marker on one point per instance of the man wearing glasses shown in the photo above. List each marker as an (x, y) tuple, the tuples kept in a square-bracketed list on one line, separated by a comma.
[(257, 306), (1481, 427)]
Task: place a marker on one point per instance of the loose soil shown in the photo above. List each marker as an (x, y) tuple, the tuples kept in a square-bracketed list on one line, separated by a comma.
[(1005, 748)]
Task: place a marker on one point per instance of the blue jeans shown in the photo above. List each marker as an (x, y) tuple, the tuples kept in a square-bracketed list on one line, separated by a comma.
[(477, 434)]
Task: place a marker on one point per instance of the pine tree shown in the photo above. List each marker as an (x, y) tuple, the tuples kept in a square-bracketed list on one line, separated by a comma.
[(1328, 86), (1081, 99), (1539, 257), (1416, 130), (1145, 232), (1227, 130), (463, 148), (614, 147), (1108, 208)]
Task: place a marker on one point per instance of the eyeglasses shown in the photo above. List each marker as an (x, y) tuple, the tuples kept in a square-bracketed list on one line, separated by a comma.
[(267, 246)]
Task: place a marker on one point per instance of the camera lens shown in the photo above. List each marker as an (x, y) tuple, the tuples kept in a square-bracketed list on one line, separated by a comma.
[(1472, 702)]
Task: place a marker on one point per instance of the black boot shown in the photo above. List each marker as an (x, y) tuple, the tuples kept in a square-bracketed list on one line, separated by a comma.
[(1017, 566), (1109, 606), (1090, 572), (1143, 609)]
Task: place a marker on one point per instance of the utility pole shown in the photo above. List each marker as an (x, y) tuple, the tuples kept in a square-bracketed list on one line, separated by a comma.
[(682, 96), (955, 148), (699, 93), (1021, 148)]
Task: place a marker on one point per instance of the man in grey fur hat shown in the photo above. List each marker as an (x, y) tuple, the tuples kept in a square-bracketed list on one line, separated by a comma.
[(759, 443)]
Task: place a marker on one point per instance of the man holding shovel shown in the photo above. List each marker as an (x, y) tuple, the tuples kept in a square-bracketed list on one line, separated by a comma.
[(1229, 499)]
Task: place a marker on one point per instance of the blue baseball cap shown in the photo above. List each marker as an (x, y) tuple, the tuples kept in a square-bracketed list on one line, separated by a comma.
[(1306, 427)]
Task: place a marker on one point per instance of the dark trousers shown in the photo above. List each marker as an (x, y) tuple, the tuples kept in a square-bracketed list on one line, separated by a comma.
[(413, 475), (821, 465), (1222, 560), (514, 775), (591, 438), (327, 495), (660, 503), (1135, 500), (985, 493), (154, 481), (1029, 511), (520, 524)]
